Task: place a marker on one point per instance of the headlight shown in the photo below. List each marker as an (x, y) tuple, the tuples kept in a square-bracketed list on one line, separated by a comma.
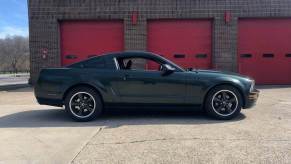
[(252, 85)]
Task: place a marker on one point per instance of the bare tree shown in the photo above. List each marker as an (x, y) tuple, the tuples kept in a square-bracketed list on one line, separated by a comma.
[(14, 54)]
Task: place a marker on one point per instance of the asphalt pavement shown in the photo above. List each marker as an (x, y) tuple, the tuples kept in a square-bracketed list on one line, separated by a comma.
[(13, 81)]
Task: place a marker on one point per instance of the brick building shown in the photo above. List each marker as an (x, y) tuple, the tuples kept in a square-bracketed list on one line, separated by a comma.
[(252, 37)]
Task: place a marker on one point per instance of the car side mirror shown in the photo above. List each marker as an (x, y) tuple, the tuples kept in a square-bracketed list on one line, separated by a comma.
[(167, 69)]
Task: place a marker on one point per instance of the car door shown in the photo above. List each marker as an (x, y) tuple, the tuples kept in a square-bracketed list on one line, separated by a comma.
[(150, 86)]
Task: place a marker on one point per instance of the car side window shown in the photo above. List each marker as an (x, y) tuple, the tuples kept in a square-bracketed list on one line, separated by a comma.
[(95, 63), (139, 63)]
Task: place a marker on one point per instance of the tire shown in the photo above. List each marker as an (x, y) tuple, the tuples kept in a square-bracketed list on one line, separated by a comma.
[(83, 104), (223, 102)]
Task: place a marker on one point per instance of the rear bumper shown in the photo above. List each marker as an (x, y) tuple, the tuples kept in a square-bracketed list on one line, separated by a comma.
[(47, 98), (252, 98), (51, 102)]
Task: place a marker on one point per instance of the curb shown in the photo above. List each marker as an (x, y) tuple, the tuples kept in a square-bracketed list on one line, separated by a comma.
[(13, 87)]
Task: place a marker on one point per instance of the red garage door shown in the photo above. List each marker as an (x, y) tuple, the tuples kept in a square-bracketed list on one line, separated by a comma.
[(83, 39), (186, 42), (264, 50)]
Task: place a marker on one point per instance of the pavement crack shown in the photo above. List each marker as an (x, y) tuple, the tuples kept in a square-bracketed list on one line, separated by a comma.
[(87, 142), (40, 141), (185, 139)]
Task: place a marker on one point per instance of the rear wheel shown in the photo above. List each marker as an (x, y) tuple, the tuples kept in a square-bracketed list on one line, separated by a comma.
[(83, 104), (223, 102)]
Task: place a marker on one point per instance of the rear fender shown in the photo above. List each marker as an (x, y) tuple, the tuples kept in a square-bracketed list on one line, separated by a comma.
[(96, 85)]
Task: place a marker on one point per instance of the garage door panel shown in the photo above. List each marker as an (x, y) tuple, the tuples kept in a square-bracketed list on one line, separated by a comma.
[(182, 41), (84, 39), (262, 48)]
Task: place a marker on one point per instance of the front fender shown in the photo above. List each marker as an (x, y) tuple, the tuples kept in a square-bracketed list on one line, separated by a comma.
[(241, 86)]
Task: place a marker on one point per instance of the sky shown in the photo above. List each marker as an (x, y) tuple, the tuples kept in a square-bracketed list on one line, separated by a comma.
[(13, 18)]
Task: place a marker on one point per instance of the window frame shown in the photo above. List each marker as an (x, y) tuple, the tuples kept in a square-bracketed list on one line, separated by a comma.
[(137, 57)]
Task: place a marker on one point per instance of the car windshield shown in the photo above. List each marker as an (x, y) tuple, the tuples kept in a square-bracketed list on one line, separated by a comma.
[(172, 63)]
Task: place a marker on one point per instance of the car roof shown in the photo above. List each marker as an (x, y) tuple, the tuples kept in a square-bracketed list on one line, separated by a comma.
[(129, 54), (125, 54)]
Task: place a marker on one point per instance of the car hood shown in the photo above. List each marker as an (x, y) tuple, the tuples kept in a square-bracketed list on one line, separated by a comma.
[(222, 73)]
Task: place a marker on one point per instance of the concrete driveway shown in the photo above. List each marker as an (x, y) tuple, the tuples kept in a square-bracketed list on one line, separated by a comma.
[(30, 133)]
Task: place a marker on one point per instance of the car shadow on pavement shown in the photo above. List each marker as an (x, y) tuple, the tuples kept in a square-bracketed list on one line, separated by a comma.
[(158, 117), (110, 118)]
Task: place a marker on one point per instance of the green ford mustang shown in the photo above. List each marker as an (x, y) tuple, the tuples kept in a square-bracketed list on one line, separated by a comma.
[(142, 79)]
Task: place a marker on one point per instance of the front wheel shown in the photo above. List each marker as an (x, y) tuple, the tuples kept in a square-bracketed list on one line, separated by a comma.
[(223, 102), (83, 104)]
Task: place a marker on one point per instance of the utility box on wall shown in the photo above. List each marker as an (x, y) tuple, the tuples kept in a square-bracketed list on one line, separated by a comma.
[(199, 34)]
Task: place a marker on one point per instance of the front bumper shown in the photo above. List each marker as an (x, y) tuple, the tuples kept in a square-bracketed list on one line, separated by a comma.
[(252, 98)]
